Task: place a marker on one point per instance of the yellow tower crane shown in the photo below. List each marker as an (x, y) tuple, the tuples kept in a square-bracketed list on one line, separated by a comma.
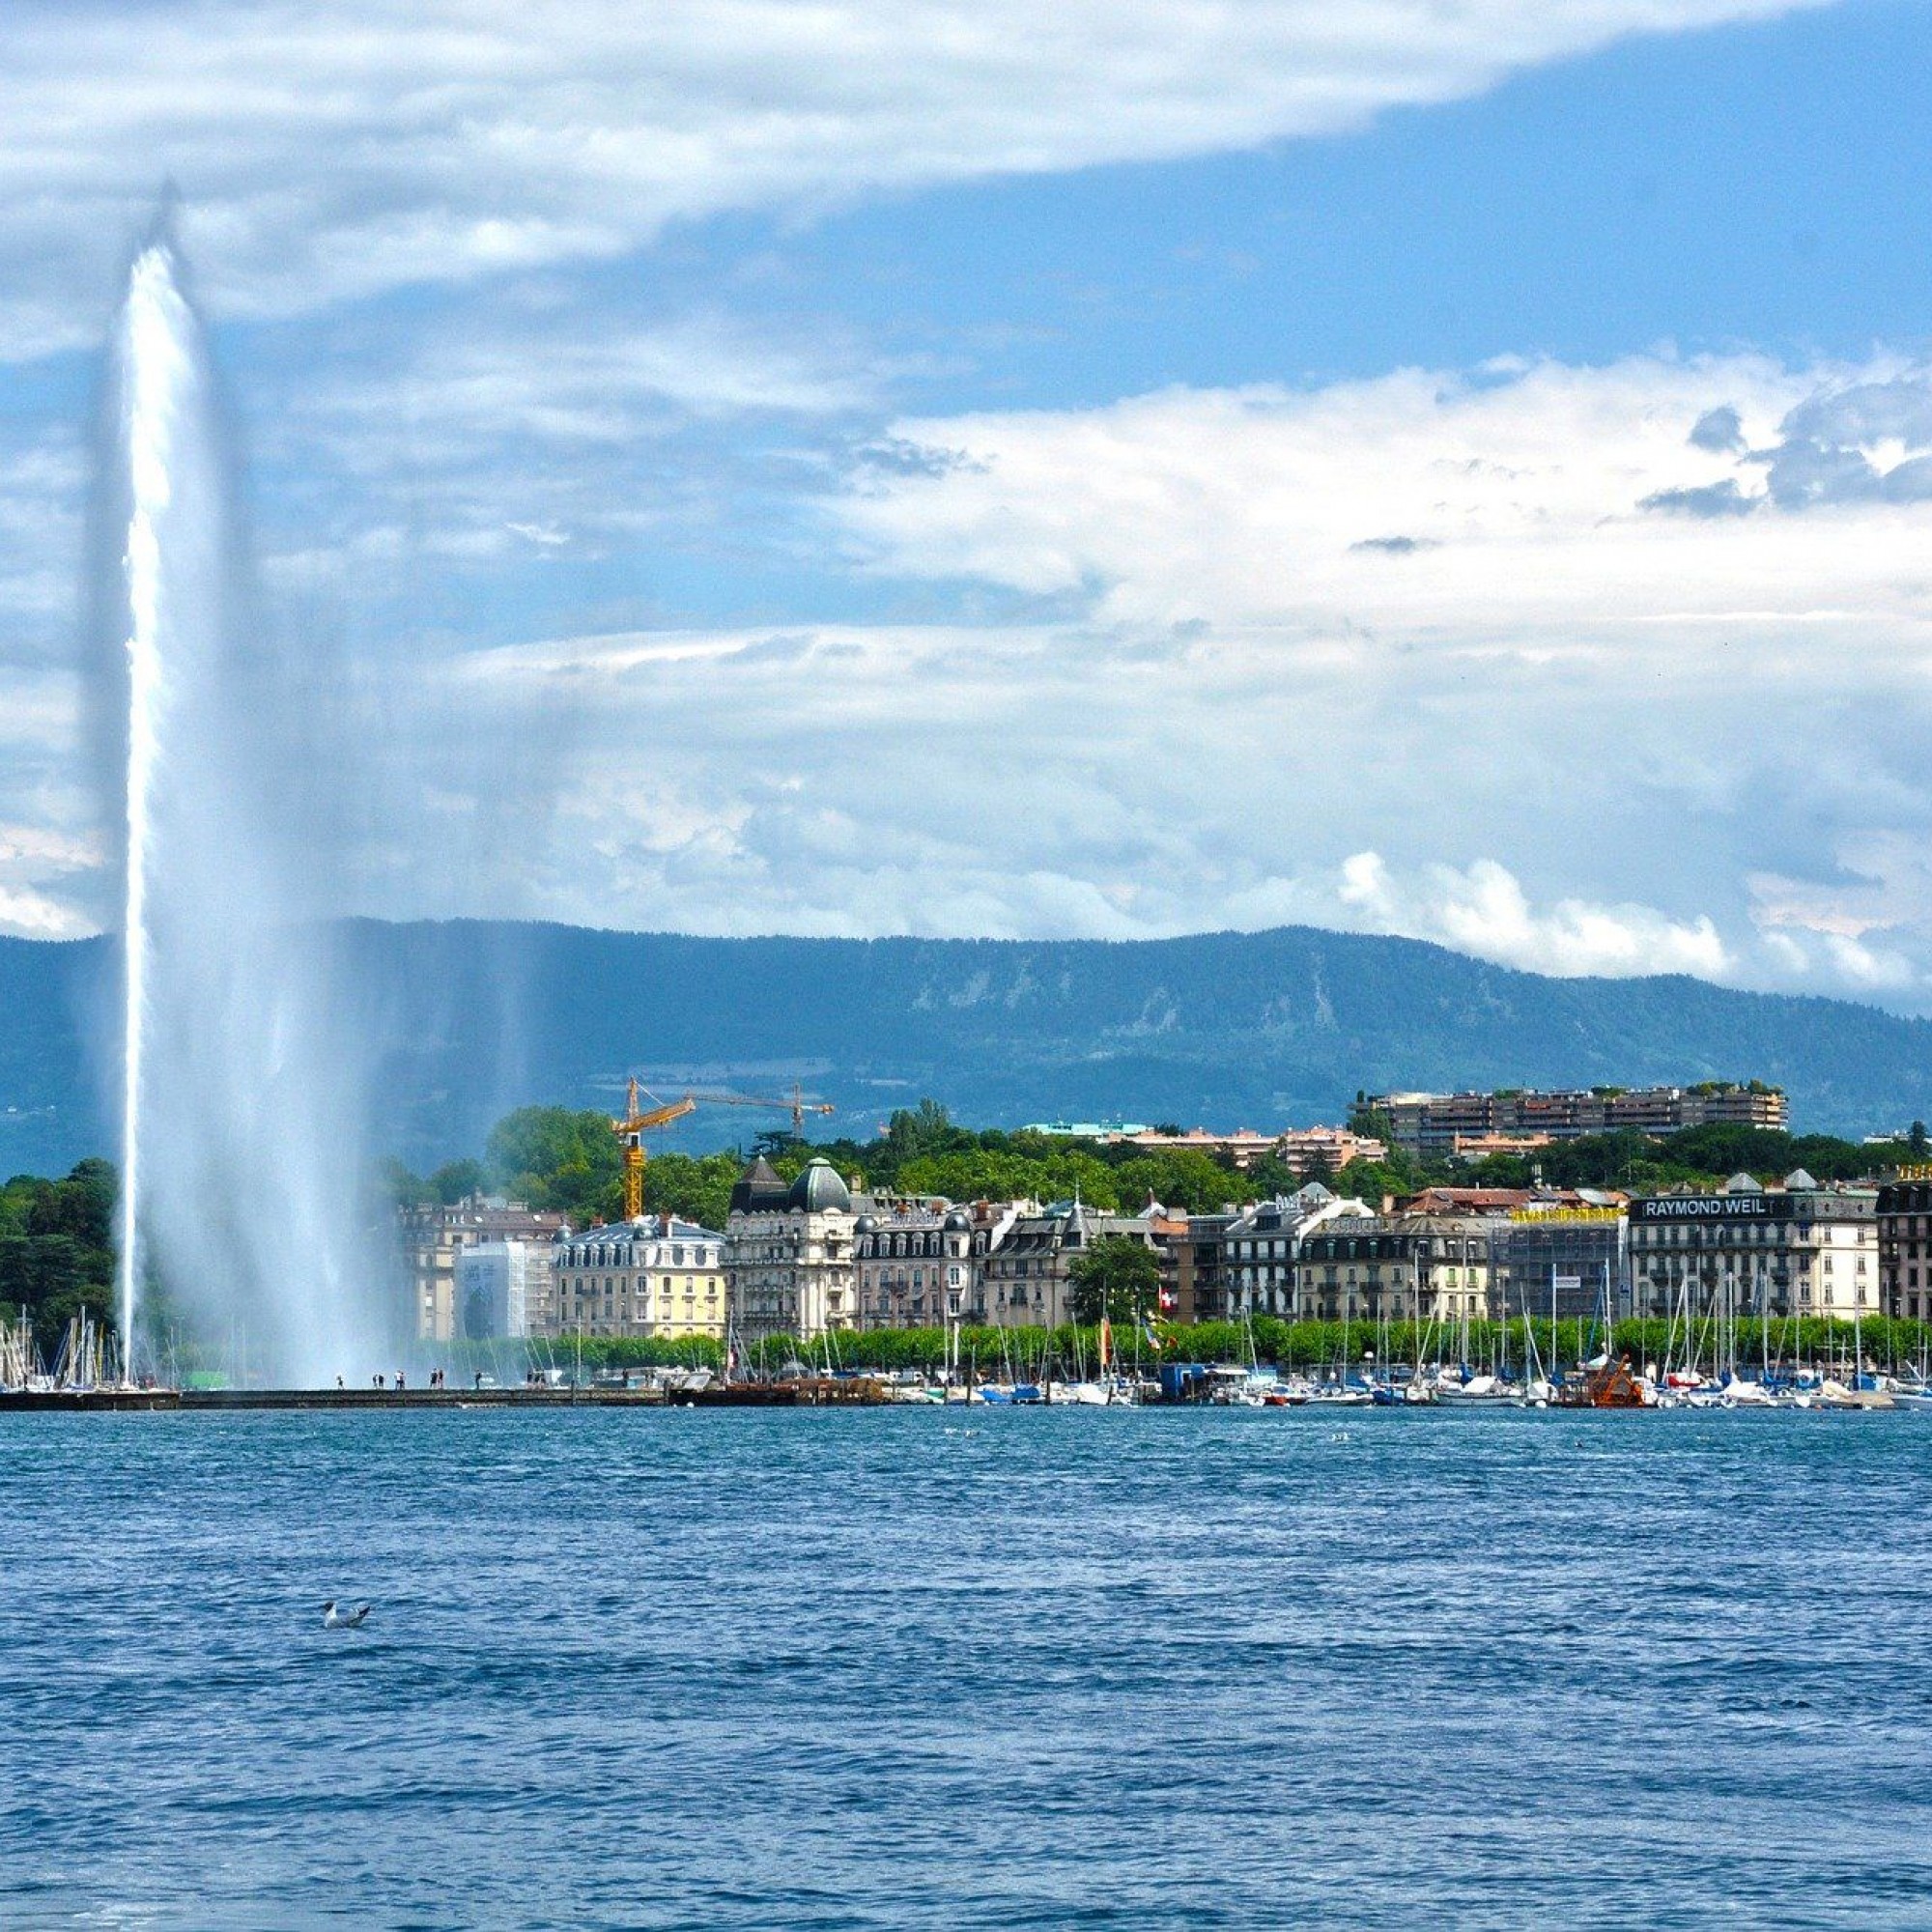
[(630, 1130), (797, 1106)]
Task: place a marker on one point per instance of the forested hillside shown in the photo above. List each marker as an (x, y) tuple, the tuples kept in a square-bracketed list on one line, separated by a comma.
[(465, 1021)]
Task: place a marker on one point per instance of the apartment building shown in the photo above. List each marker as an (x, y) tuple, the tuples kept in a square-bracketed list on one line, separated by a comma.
[(1431, 1123), (654, 1276)]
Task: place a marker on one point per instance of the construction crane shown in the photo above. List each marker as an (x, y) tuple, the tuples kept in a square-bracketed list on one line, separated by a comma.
[(798, 1106), (630, 1130)]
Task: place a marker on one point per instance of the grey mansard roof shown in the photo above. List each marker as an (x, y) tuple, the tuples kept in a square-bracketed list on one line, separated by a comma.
[(758, 1189)]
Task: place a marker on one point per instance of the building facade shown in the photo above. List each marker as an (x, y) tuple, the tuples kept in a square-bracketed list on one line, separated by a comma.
[(1262, 1245), (914, 1265), (497, 1284), (432, 1237), (1028, 1275), (1794, 1249), (1572, 1261), (789, 1254), (1904, 1210), (1175, 1251), (1359, 1267), (654, 1276), (1298, 1147)]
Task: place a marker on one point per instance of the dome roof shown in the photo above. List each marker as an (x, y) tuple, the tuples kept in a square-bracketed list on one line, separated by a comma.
[(819, 1189), (958, 1222)]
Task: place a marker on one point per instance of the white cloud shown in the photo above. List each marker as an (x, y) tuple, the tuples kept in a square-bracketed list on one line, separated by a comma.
[(1552, 728), (1524, 509), (33, 858), (336, 149), (1484, 910), (514, 431)]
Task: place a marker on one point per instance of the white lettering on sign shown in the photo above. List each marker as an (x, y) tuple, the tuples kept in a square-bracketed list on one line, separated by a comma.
[(1706, 1207)]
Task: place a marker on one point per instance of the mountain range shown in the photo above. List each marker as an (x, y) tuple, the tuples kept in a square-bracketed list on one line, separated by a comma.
[(466, 1019)]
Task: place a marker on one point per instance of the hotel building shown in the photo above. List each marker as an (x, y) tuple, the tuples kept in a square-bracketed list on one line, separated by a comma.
[(789, 1253), (1794, 1249)]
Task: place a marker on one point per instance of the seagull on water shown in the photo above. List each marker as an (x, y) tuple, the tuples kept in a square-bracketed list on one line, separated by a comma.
[(333, 1619)]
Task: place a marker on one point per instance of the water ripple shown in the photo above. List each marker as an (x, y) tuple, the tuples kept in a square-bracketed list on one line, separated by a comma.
[(877, 1669)]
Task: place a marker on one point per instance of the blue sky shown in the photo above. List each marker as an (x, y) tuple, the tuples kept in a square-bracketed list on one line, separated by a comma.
[(1447, 469)]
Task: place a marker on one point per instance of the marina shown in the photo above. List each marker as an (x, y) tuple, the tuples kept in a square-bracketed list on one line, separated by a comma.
[(1595, 1387)]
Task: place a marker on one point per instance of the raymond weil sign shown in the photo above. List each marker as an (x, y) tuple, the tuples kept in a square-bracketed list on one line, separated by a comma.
[(1713, 1207)]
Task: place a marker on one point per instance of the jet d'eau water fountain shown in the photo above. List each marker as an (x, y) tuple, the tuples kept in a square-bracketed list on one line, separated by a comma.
[(238, 1086)]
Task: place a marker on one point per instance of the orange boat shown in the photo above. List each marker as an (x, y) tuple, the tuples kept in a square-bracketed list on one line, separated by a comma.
[(1607, 1387)]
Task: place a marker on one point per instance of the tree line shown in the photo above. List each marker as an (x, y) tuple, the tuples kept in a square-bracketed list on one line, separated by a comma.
[(57, 1250), (1352, 1347), (569, 1160)]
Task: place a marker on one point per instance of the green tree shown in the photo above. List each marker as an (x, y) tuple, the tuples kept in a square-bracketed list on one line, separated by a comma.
[(555, 1157), (454, 1180), (82, 1205), (399, 1185), (928, 1130), (1184, 1177), (1118, 1277), (692, 1187)]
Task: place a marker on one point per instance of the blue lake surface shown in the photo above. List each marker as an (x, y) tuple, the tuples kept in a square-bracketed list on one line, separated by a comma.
[(904, 1667)]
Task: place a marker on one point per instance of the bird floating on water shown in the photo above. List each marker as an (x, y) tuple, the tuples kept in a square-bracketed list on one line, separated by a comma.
[(342, 1620)]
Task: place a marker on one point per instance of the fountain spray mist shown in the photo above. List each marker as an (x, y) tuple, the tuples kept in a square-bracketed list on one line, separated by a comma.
[(240, 1095)]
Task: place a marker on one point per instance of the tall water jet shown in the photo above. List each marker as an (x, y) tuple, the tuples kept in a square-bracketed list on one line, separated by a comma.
[(238, 1093), (157, 388)]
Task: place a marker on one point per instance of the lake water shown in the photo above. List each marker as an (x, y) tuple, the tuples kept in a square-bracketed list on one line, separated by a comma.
[(885, 1669)]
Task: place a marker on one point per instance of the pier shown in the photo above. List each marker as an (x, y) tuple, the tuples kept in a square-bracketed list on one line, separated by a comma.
[(805, 1392)]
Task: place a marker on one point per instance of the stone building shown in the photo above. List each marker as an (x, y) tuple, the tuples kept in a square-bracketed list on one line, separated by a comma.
[(788, 1252), (1794, 1249), (1260, 1245), (914, 1265), (1026, 1274), (1371, 1267), (433, 1235), (654, 1276), (1904, 1210)]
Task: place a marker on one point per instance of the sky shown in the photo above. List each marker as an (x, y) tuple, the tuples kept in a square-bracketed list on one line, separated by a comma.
[(1458, 469)]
